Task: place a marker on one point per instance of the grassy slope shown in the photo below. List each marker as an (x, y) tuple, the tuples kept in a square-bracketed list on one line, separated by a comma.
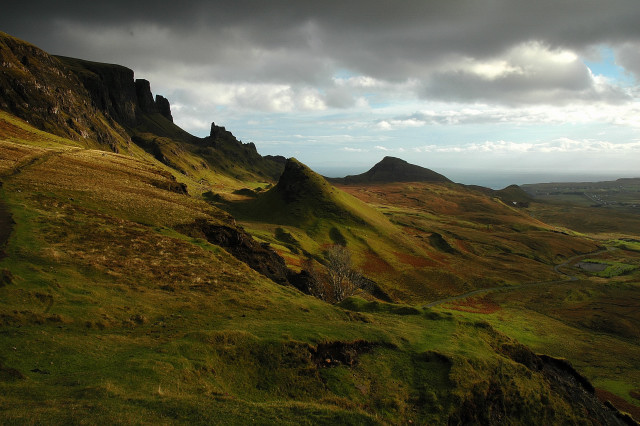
[(500, 243), (419, 241), (109, 315)]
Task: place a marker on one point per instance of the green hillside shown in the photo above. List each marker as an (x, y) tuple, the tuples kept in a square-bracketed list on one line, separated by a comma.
[(149, 276), (109, 314)]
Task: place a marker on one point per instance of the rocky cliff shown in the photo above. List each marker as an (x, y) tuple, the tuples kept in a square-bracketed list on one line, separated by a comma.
[(40, 89), (86, 101), (114, 91)]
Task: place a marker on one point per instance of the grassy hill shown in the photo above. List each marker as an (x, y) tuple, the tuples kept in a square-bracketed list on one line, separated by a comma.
[(110, 314), (419, 241), (154, 284)]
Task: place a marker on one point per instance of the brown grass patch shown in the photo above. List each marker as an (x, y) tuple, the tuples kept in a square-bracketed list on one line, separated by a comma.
[(474, 305), (620, 403), (373, 264), (289, 260), (415, 261), (635, 394)]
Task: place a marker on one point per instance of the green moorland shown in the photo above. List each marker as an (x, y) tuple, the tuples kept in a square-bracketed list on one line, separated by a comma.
[(592, 317), (419, 241), (481, 242), (109, 314), (605, 210)]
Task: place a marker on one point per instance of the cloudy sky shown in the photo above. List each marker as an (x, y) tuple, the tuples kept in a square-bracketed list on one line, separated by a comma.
[(465, 87)]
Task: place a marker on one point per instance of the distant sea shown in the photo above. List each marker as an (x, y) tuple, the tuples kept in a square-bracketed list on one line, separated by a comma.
[(491, 179), (499, 180)]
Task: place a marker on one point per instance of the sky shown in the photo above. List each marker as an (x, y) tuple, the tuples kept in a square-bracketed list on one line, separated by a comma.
[(500, 91)]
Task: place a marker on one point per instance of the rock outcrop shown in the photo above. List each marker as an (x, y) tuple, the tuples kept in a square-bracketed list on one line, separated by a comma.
[(41, 89), (259, 257), (145, 100), (73, 98), (163, 107)]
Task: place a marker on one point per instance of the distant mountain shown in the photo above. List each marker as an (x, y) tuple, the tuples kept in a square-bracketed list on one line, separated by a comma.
[(512, 194), (392, 169)]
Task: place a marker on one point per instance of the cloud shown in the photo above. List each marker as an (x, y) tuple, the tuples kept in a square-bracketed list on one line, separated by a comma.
[(529, 73), (628, 56), (560, 145), (460, 114), (342, 74), (302, 44)]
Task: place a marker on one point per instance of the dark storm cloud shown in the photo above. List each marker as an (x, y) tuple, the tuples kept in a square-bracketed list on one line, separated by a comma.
[(306, 43)]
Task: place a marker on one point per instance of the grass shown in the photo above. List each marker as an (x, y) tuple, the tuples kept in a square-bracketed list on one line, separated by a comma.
[(118, 319), (580, 321), (112, 315)]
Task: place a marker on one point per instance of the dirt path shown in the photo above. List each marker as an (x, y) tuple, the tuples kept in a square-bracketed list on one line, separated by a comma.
[(556, 268), (6, 220), (6, 225)]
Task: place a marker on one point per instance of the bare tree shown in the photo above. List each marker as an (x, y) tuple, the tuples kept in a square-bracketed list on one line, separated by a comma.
[(343, 278)]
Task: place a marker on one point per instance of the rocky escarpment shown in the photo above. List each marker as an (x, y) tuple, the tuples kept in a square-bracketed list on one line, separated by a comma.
[(114, 91), (242, 246), (40, 89), (146, 103), (224, 152), (104, 106), (77, 99), (563, 379), (163, 107)]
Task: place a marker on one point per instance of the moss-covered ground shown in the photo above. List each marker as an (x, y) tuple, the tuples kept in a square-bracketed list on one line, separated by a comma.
[(108, 314)]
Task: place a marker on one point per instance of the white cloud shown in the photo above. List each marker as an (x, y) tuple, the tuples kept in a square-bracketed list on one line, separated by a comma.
[(527, 73), (560, 145)]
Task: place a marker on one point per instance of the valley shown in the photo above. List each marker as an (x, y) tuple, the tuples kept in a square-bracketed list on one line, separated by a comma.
[(150, 276)]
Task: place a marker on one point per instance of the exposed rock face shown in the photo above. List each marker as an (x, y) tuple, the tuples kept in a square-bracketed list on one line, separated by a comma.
[(259, 257), (110, 87), (163, 107), (145, 98), (243, 247), (73, 98), (392, 169), (224, 144), (40, 89), (334, 354), (563, 379), (219, 132)]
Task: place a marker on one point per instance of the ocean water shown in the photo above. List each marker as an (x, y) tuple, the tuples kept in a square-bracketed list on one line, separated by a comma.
[(493, 179), (499, 180)]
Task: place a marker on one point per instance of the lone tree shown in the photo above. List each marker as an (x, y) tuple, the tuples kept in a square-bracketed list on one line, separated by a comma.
[(343, 278)]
